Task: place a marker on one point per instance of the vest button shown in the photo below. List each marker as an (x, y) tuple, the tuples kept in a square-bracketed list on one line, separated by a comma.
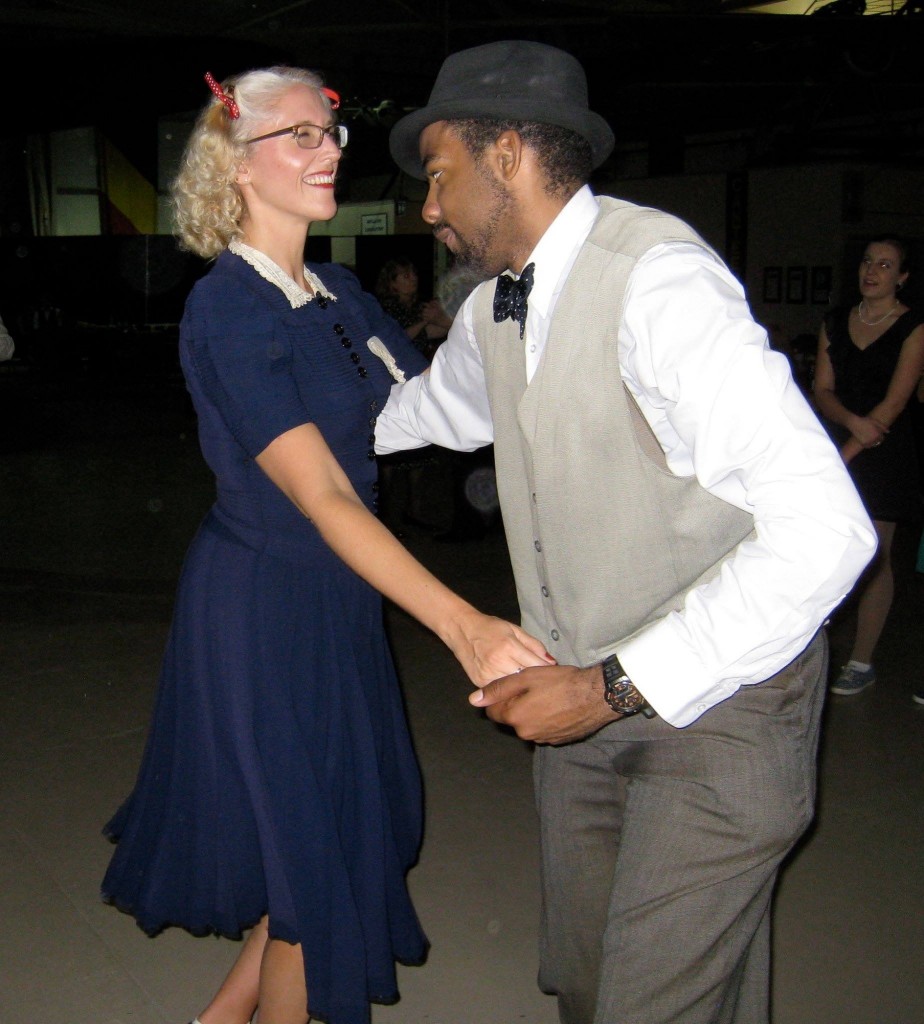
[(537, 545), (555, 635), (545, 591)]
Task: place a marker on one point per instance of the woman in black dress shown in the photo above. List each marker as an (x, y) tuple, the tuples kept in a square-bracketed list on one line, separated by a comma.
[(870, 360), (279, 789), (397, 289)]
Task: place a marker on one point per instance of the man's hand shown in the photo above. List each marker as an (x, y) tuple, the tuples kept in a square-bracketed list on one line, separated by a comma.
[(558, 704)]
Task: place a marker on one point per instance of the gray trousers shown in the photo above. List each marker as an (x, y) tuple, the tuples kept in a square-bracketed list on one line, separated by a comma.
[(660, 850)]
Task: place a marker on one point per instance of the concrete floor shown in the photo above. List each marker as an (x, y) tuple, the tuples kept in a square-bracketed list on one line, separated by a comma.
[(100, 490)]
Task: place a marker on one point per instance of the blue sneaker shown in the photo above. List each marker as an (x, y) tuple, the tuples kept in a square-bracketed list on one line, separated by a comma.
[(853, 680)]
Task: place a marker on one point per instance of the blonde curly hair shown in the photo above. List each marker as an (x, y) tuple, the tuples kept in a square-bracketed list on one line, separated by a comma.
[(207, 203)]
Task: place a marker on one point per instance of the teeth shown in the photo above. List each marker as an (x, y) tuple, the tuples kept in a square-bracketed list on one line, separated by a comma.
[(320, 179)]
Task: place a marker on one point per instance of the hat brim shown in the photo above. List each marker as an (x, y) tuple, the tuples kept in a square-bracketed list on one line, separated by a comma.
[(404, 140)]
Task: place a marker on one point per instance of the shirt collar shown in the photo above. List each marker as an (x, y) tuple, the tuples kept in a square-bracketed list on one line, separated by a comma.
[(272, 272), (557, 250)]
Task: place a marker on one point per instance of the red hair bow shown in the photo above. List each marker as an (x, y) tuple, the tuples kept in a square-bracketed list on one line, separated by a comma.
[(233, 110)]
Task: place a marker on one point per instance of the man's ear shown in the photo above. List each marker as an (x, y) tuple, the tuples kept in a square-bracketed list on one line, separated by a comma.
[(508, 154), (242, 177)]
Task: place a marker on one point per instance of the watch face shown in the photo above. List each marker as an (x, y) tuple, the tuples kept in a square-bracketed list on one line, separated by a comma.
[(628, 698), (618, 689)]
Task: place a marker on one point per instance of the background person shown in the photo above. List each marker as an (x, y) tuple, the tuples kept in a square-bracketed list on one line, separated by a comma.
[(917, 694), (869, 363), (679, 527), (426, 324), (279, 788), (396, 288), (473, 482), (7, 347)]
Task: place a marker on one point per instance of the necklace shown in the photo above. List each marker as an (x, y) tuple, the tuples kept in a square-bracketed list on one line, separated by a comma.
[(872, 323)]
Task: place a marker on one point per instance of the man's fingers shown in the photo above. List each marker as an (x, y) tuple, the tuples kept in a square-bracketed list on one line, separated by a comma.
[(493, 693), (485, 696)]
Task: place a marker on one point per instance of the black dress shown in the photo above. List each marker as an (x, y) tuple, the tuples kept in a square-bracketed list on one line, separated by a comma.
[(407, 316), (279, 776), (886, 476)]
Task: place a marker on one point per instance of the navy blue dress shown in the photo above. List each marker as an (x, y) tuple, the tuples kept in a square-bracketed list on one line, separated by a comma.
[(279, 776)]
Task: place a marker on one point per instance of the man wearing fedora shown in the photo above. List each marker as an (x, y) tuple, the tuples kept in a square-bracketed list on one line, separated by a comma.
[(679, 527)]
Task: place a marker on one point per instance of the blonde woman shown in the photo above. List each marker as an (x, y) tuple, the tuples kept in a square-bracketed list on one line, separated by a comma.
[(279, 789)]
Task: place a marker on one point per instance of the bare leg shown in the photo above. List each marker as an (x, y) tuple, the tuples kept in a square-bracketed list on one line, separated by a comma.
[(236, 1001), (283, 996), (876, 599), (268, 973)]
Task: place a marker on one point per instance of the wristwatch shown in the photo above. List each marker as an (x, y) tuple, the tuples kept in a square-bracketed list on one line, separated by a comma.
[(621, 693)]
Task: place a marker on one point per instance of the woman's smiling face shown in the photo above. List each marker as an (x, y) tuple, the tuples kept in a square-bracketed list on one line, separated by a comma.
[(277, 178)]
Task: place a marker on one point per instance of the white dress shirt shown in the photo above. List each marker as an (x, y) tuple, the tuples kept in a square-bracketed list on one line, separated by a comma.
[(724, 407)]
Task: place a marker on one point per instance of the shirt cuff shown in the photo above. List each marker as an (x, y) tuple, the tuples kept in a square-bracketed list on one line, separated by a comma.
[(676, 685)]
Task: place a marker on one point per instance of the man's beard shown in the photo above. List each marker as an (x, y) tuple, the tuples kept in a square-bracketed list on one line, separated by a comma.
[(479, 253)]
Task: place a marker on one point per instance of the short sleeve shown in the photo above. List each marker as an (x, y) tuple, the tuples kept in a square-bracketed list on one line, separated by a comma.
[(242, 359)]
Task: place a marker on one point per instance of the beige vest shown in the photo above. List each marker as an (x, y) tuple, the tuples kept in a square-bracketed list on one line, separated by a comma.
[(603, 538)]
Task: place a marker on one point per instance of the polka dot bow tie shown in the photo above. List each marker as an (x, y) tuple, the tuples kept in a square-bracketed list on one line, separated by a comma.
[(510, 297)]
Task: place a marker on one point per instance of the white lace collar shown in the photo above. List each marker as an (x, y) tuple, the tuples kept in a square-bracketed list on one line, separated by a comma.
[(273, 273)]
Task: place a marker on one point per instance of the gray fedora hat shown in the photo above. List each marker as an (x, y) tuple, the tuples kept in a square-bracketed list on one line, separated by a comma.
[(514, 80)]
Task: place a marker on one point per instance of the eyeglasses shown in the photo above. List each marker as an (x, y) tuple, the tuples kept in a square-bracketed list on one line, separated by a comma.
[(309, 136)]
